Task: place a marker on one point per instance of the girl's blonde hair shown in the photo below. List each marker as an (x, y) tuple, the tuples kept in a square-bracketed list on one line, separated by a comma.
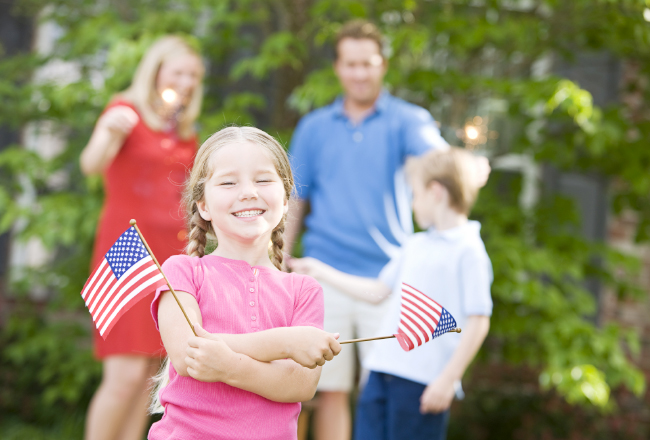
[(451, 168), (201, 230), (142, 92)]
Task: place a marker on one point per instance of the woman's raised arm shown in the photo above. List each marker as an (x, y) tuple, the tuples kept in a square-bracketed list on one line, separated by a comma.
[(107, 139)]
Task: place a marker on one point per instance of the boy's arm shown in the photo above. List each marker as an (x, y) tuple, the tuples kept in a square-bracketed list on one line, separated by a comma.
[(370, 290), (438, 395)]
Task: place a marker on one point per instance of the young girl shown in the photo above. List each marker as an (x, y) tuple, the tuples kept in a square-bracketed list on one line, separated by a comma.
[(257, 327), (408, 394)]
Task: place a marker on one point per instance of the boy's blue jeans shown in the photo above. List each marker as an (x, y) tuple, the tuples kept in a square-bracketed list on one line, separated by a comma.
[(389, 409)]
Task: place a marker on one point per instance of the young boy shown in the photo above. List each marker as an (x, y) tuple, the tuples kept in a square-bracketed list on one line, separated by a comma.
[(408, 394)]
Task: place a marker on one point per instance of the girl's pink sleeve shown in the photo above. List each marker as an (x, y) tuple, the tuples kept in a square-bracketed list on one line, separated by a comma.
[(181, 271), (309, 308)]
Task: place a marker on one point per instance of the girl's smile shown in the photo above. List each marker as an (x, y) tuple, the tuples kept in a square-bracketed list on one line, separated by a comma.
[(244, 197), (248, 215)]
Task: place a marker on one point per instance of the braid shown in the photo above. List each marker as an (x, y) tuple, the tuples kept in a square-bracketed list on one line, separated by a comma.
[(277, 240), (198, 234)]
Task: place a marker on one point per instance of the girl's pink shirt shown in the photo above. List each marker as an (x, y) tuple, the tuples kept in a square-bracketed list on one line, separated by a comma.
[(233, 298)]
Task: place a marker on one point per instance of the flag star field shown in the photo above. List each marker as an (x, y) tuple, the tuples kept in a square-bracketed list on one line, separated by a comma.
[(127, 250)]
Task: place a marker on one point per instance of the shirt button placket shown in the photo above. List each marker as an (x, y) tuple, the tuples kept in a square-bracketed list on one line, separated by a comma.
[(252, 300)]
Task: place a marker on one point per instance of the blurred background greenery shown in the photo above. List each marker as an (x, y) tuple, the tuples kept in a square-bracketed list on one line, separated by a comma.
[(554, 92)]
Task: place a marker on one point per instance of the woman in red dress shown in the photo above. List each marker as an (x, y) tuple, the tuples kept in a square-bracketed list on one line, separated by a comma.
[(143, 145)]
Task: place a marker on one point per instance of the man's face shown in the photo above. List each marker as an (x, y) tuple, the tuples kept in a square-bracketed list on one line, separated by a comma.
[(360, 69)]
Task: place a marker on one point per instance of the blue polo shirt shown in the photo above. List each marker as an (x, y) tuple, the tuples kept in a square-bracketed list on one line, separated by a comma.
[(352, 176)]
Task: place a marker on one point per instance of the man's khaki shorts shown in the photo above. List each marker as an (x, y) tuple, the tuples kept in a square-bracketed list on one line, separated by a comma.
[(351, 318)]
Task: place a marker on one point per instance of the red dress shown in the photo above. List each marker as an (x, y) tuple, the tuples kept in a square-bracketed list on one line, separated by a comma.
[(144, 182)]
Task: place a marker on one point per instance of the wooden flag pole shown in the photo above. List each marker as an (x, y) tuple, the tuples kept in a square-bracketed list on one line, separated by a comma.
[(365, 339), (455, 330), (171, 289)]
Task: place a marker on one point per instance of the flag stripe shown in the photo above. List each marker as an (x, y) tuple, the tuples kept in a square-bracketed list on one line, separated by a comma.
[(118, 289), (414, 339), (136, 292), (123, 279), (91, 280), (403, 329), (108, 285), (427, 326), (415, 323), (424, 298), (140, 275), (431, 317), (106, 272)]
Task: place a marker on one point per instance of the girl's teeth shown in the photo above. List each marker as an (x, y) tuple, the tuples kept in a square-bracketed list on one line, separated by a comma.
[(248, 213)]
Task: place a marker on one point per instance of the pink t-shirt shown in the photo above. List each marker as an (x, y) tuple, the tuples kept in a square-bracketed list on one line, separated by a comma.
[(233, 298)]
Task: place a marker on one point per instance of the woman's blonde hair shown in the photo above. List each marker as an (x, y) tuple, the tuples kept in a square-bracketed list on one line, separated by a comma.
[(142, 92), (201, 230), (451, 168)]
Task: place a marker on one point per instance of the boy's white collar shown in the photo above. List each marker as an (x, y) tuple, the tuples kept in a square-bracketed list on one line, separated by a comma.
[(472, 226)]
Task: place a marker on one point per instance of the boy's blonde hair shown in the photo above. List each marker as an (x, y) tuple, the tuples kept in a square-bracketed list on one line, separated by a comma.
[(142, 92), (452, 169), (200, 229)]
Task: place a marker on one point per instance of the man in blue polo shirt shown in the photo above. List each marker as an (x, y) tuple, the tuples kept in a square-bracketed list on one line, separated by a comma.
[(347, 161)]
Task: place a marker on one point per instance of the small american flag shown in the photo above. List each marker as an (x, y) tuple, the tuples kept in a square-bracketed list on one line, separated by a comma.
[(126, 274), (421, 319)]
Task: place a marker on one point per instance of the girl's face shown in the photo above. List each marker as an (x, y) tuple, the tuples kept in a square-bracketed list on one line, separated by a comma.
[(427, 201), (181, 73), (244, 198)]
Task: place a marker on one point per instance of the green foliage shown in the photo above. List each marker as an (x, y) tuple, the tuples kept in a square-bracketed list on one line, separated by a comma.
[(541, 303), (522, 413), (268, 62)]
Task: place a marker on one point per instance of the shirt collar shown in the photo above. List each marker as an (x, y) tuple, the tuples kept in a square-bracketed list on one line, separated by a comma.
[(380, 104), (470, 228)]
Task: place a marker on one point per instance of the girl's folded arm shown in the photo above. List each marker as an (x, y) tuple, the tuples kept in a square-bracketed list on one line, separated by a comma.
[(306, 345), (265, 346), (281, 381), (174, 329), (212, 360)]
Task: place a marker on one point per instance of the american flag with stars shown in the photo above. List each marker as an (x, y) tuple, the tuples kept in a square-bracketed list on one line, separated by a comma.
[(421, 319), (126, 274)]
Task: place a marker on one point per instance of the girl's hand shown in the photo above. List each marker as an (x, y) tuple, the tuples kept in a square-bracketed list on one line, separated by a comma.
[(208, 360), (437, 396), (308, 266), (120, 119), (311, 347)]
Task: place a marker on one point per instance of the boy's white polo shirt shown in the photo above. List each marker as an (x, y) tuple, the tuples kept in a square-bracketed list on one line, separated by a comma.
[(453, 268)]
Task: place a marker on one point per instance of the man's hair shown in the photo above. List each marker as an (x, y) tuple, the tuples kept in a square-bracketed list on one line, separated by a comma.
[(452, 169), (360, 30)]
